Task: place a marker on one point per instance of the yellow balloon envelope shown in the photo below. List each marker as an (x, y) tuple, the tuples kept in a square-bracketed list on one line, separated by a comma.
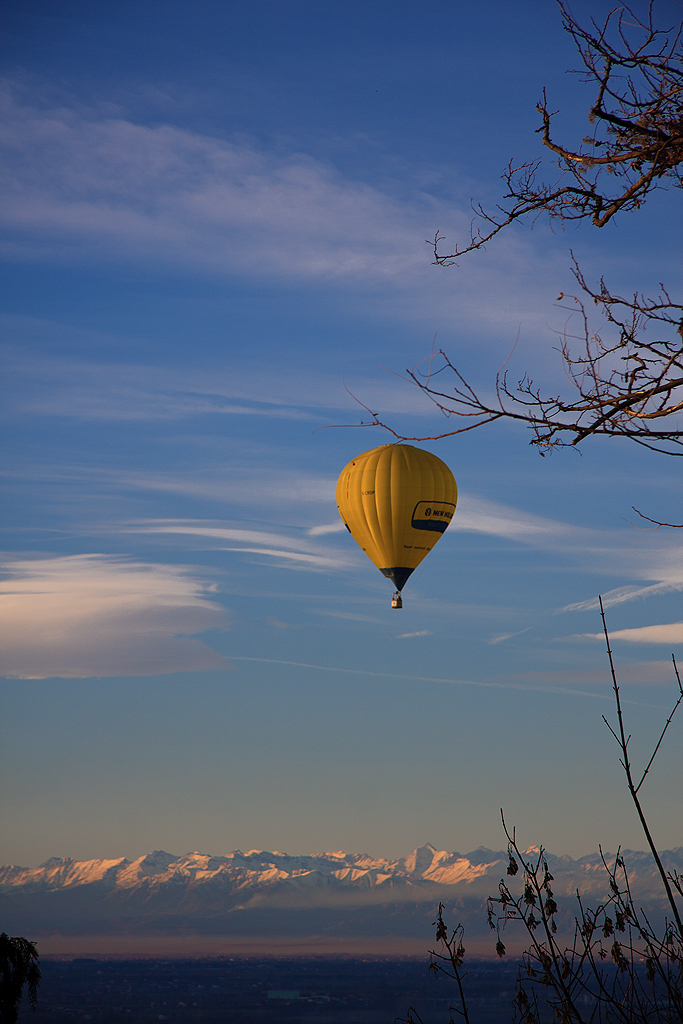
[(396, 501)]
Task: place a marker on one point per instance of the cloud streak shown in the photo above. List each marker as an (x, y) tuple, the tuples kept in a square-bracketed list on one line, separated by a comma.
[(598, 551), (622, 594), (617, 552), (279, 546), (215, 203), (101, 615), (665, 633), (502, 637), (231, 484), (79, 186), (320, 531), (487, 684), (125, 392)]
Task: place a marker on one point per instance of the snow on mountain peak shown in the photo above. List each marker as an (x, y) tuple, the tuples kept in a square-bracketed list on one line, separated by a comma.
[(420, 860), (60, 873), (333, 891), (259, 872)]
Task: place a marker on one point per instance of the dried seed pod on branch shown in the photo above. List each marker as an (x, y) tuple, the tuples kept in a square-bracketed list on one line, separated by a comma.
[(618, 965)]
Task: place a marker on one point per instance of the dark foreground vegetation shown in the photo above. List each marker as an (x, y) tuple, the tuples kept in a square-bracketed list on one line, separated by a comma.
[(236, 991)]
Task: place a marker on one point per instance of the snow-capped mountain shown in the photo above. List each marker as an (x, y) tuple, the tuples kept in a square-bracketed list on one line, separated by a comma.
[(255, 870), (261, 871), (257, 889)]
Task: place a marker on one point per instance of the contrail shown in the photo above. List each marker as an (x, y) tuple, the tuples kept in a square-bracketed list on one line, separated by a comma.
[(434, 679)]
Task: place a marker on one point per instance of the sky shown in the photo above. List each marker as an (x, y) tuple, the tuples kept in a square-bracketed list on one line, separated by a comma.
[(214, 233)]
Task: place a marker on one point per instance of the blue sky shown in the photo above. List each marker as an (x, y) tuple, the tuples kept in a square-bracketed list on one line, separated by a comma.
[(214, 226)]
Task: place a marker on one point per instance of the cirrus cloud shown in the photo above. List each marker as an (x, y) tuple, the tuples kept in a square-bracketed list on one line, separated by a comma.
[(101, 615), (221, 205), (623, 594), (291, 551), (79, 186), (664, 633)]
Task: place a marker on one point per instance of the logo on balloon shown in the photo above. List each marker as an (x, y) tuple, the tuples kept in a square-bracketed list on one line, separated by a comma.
[(432, 515)]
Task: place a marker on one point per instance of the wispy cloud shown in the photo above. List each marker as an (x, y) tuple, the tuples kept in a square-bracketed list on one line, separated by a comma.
[(618, 552), (479, 515), (229, 483), (502, 637), (279, 624), (622, 594), (313, 561), (594, 550), (666, 633), (320, 531), (80, 186), (201, 199), (656, 558), (128, 392), (102, 615), (350, 616), (419, 632), (278, 546), (598, 551), (535, 686)]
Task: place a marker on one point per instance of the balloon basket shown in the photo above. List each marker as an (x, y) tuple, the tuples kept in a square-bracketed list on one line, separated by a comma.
[(396, 601)]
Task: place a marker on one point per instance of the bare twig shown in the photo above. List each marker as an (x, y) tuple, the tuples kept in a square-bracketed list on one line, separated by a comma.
[(617, 966), (630, 386), (637, 135), (626, 764), (624, 383), (675, 526)]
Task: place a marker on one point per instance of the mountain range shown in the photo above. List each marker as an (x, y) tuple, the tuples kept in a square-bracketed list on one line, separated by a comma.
[(274, 893)]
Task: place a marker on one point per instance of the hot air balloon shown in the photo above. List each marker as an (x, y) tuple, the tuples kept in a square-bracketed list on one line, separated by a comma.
[(396, 501)]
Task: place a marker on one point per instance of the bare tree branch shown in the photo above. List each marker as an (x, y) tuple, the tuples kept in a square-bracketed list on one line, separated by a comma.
[(625, 382), (634, 976), (626, 764), (636, 145), (657, 522)]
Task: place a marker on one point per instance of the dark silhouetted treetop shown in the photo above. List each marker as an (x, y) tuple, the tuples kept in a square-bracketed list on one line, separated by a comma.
[(18, 967)]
